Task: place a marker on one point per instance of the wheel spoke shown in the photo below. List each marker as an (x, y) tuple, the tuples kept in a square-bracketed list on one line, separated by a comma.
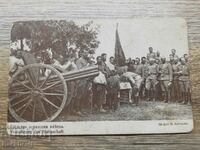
[(54, 94), (34, 107), (24, 99), (58, 98), (23, 84), (52, 85), (43, 83), (19, 92), (38, 77), (22, 106), (14, 97), (26, 106), (43, 108), (45, 99), (30, 79)]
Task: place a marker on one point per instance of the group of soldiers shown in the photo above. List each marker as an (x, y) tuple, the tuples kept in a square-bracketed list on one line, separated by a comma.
[(151, 78)]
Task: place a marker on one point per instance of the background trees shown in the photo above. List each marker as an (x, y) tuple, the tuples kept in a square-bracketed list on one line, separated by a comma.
[(62, 37)]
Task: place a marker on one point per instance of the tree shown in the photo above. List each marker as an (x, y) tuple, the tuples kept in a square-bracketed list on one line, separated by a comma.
[(63, 37)]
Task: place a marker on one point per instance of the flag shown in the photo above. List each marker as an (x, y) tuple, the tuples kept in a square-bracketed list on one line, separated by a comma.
[(119, 53)]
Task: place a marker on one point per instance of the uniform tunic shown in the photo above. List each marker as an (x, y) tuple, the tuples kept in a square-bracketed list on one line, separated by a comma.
[(134, 78), (184, 80), (151, 79), (166, 76), (151, 55)]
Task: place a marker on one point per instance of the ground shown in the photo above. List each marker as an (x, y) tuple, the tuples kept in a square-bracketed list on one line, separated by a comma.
[(147, 110)]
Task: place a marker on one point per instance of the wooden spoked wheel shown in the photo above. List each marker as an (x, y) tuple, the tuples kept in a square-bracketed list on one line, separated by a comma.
[(37, 92)]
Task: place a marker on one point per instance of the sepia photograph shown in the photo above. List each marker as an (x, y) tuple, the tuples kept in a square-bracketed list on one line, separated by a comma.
[(104, 72)]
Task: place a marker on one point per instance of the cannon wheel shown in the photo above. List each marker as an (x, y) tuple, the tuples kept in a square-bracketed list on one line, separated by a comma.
[(37, 92)]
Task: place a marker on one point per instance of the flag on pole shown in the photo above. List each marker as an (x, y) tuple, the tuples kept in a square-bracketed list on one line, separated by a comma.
[(119, 53)]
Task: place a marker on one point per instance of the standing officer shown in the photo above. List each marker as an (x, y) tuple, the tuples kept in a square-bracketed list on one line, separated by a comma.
[(151, 80), (175, 84), (173, 54), (151, 54), (166, 76), (184, 81)]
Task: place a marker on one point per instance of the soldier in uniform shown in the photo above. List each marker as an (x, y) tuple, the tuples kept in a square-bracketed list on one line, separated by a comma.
[(184, 81), (186, 57), (135, 81), (137, 64), (82, 60), (175, 84), (151, 54), (142, 71), (158, 56), (131, 66), (166, 77), (151, 80), (173, 54), (106, 69), (111, 64), (83, 85), (99, 86)]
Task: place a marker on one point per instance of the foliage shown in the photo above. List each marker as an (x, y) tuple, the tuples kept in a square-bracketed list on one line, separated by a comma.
[(63, 37)]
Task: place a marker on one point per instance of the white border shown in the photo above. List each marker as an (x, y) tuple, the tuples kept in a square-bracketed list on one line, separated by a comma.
[(101, 127)]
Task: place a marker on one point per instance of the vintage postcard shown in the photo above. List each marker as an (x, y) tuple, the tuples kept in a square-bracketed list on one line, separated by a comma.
[(99, 76)]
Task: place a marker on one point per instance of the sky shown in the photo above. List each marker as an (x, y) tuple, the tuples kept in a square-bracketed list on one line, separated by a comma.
[(136, 35)]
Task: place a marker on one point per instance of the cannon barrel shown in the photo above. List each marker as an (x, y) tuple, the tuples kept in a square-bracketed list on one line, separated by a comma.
[(68, 76)]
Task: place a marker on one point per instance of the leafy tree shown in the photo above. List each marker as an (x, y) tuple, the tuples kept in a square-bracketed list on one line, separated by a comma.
[(63, 37)]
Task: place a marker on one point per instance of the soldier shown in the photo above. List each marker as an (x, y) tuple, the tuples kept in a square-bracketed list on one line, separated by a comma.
[(131, 66), (111, 64), (83, 85), (151, 54), (16, 62), (82, 60), (151, 80), (171, 59), (112, 92), (137, 64), (99, 86), (142, 71), (175, 84), (158, 58), (135, 81), (184, 81), (173, 54), (186, 57), (166, 77), (106, 69)]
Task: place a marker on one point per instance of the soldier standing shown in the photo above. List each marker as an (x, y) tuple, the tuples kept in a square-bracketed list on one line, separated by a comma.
[(82, 85), (186, 57), (151, 80), (142, 71), (137, 65), (106, 69), (173, 54), (175, 84), (184, 81), (99, 86), (166, 76), (151, 54)]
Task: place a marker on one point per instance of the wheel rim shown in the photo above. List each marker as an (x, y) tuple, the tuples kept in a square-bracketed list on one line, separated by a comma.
[(37, 94)]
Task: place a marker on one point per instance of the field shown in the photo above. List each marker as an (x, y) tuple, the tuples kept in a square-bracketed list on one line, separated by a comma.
[(147, 110)]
